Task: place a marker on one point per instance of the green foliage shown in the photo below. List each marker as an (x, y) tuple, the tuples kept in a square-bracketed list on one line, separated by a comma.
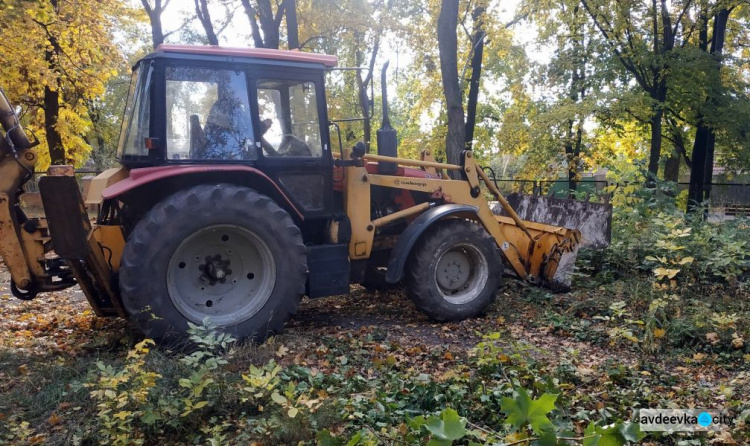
[(522, 411), (446, 428), (123, 397), (612, 435)]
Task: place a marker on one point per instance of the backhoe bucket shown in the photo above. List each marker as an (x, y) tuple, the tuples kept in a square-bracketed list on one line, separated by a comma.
[(557, 228), (594, 220)]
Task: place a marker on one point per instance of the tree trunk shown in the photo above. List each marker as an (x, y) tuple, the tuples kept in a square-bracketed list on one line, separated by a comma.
[(266, 21), (655, 154), (717, 50), (52, 106), (51, 114), (448, 47), (154, 16), (672, 168), (476, 73), (204, 16), (270, 23), (701, 171), (292, 29)]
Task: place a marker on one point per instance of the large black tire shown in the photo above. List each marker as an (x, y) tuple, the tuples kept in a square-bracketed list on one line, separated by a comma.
[(455, 270), (220, 251)]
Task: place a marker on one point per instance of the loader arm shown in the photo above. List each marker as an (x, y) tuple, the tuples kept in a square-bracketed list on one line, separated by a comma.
[(22, 241), (16, 163), (27, 244), (536, 252)]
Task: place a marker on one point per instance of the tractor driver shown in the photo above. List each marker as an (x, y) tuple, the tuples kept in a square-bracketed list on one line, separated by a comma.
[(228, 132)]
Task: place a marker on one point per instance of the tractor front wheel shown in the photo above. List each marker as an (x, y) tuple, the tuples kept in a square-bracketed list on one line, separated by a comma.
[(455, 270), (220, 252)]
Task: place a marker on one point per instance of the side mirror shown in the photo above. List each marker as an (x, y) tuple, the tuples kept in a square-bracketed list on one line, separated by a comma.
[(359, 150)]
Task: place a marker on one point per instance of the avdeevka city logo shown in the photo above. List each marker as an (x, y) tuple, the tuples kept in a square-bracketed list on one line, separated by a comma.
[(682, 420), (705, 419)]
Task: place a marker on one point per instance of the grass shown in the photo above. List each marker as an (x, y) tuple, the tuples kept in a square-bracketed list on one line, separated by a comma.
[(367, 363)]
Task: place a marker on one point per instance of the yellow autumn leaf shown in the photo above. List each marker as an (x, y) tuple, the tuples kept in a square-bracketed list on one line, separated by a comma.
[(121, 415), (665, 272)]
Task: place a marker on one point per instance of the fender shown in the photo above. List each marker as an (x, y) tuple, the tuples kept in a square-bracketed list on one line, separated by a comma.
[(409, 237), (145, 175)]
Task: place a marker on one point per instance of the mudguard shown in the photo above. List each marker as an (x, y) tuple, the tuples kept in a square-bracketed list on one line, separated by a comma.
[(409, 237)]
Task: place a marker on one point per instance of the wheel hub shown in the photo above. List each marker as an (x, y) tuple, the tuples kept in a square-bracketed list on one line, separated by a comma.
[(461, 273), (453, 270), (216, 269), (223, 272)]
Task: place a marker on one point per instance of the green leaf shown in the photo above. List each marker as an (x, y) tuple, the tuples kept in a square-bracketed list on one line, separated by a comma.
[(522, 410), (324, 438), (546, 439), (150, 417), (293, 411), (631, 431), (278, 399), (590, 438), (355, 439), (448, 427), (200, 404), (617, 434)]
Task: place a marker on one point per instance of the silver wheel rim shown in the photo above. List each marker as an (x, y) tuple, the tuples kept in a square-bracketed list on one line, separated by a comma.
[(461, 274), (223, 272)]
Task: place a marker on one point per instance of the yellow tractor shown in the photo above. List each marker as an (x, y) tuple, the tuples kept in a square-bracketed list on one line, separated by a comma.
[(231, 203)]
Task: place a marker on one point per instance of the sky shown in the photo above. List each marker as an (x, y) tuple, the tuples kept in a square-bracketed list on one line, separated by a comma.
[(238, 33)]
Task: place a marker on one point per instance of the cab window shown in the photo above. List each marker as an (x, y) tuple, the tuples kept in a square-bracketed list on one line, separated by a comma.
[(208, 115), (135, 125), (289, 123)]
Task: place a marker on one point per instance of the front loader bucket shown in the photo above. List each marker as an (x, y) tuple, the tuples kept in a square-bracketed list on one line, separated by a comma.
[(558, 228), (594, 220)]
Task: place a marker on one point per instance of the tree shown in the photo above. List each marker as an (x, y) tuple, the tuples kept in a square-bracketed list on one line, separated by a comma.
[(59, 56), (477, 44), (154, 15), (265, 23), (292, 29), (701, 170), (204, 16), (448, 46), (642, 38)]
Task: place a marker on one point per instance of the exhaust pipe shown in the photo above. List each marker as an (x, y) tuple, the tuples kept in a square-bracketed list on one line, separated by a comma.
[(387, 135)]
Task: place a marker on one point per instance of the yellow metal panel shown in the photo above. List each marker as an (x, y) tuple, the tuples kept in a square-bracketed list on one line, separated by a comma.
[(102, 181), (408, 162), (113, 242), (10, 244), (357, 200)]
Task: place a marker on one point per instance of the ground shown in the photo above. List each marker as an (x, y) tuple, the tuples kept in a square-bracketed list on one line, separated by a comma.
[(48, 348)]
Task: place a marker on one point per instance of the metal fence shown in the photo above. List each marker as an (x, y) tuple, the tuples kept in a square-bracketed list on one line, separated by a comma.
[(32, 186), (729, 198)]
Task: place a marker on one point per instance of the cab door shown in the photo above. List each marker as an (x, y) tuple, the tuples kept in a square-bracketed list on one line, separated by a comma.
[(292, 136)]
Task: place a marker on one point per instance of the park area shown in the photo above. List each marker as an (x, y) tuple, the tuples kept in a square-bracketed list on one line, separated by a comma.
[(658, 320), (375, 222)]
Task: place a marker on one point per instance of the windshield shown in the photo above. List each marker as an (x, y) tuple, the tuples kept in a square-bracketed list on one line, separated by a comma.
[(135, 122)]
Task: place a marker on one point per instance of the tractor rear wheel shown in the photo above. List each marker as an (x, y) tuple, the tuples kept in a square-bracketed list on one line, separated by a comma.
[(455, 270), (222, 252)]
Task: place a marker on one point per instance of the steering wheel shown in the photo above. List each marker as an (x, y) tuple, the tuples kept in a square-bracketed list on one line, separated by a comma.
[(293, 146)]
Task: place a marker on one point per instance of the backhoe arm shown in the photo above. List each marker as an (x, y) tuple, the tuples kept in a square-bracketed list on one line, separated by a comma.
[(17, 161)]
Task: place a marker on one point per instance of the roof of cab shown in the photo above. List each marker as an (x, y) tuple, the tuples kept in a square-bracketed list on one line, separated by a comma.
[(256, 53)]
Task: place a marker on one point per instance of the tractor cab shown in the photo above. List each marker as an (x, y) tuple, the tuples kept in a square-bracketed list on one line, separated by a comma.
[(259, 108)]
